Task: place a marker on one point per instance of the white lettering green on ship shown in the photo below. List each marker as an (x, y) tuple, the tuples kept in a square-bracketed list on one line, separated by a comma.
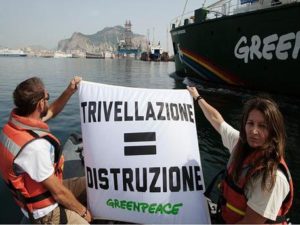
[(153, 208), (282, 47)]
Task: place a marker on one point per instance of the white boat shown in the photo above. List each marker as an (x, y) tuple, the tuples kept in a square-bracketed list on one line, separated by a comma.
[(62, 55), (155, 52), (109, 54), (12, 52)]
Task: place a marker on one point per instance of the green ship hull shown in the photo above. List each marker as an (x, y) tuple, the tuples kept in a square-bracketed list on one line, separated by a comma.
[(257, 50)]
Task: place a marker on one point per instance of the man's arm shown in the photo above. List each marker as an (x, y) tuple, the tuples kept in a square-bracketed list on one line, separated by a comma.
[(57, 106), (65, 197)]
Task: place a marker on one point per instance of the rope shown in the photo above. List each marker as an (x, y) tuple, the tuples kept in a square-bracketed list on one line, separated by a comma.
[(183, 12)]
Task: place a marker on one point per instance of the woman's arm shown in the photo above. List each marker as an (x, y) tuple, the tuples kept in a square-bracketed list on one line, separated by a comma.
[(57, 106), (211, 114), (252, 217)]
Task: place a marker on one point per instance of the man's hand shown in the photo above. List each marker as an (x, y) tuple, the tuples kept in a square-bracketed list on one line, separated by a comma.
[(65, 197), (74, 83), (57, 106)]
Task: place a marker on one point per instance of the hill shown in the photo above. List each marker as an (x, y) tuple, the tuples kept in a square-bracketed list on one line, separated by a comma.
[(104, 40)]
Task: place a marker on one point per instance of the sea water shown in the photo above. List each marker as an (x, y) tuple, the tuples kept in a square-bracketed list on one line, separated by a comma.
[(56, 74)]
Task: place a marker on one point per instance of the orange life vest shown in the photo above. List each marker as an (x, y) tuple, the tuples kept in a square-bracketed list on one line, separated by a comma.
[(234, 201), (16, 134)]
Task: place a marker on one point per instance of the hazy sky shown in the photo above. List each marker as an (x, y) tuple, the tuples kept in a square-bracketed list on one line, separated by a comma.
[(45, 22)]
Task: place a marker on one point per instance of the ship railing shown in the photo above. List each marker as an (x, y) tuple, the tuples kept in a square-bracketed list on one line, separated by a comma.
[(178, 20), (232, 7), (227, 7)]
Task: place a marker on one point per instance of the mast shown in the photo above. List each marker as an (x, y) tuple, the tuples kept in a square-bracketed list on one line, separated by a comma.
[(153, 40), (182, 12), (128, 34), (167, 39)]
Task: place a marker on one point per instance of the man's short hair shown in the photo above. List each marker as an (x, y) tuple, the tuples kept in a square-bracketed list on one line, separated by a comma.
[(27, 95)]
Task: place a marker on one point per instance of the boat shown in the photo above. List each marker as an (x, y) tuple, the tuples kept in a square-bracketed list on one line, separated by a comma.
[(90, 55), (109, 55), (73, 167), (59, 54), (12, 53), (252, 44), (155, 53), (165, 57)]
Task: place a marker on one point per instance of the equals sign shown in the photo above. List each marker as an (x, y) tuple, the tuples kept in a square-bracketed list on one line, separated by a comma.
[(139, 149)]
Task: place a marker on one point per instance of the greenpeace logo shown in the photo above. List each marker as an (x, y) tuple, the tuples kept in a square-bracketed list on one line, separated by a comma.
[(153, 208)]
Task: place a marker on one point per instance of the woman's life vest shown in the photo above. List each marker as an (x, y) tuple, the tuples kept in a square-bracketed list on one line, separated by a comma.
[(234, 201), (16, 134)]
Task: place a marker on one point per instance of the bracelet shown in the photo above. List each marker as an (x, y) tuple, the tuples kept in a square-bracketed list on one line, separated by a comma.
[(198, 98), (84, 213)]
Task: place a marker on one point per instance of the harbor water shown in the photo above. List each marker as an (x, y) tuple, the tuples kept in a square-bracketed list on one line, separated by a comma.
[(56, 74)]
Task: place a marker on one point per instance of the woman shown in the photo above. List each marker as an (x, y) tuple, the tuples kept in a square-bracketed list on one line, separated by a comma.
[(257, 187)]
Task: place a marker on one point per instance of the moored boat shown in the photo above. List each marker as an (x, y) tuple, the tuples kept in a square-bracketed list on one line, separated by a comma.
[(59, 54), (12, 53), (90, 55), (155, 52), (254, 44)]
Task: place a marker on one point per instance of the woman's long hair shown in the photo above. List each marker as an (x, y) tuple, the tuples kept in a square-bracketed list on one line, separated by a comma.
[(271, 152)]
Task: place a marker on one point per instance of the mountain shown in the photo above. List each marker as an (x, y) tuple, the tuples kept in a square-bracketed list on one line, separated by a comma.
[(104, 40)]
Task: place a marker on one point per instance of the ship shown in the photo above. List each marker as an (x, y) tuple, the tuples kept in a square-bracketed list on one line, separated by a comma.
[(155, 53), (12, 53), (126, 48), (252, 44)]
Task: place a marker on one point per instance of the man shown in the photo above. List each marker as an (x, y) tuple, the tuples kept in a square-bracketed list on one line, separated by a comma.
[(31, 162)]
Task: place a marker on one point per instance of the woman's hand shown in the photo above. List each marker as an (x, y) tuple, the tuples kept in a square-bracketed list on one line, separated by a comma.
[(211, 114), (193, 91)]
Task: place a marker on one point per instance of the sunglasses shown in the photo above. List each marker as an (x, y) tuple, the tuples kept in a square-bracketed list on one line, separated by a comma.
[(47, 97)]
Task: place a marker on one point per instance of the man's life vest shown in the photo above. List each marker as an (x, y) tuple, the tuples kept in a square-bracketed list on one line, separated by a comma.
[(234, 201), (16, 134)]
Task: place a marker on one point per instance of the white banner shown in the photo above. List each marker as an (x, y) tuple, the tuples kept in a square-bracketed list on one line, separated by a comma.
[(141, 152)]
